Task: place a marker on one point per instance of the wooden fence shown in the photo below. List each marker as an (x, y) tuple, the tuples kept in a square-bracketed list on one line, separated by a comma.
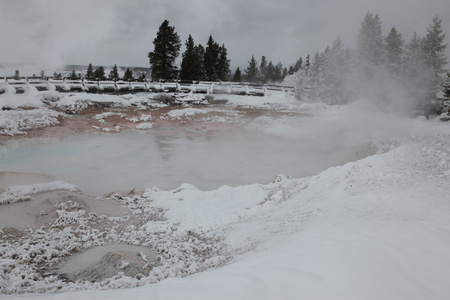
[(12, 85)]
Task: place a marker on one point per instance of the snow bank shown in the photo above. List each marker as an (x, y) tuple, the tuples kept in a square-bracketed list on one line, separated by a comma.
[(17, 121), (186, 112), (18, 193), (22, 100), (373, 229), (144, 126)]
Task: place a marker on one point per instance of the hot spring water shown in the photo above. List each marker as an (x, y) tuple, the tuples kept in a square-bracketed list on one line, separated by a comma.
[(100, 163)]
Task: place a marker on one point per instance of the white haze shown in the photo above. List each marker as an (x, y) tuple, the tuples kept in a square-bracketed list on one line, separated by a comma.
[(49, 32)]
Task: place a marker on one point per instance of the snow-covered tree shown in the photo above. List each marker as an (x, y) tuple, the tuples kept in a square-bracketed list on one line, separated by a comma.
[(334, 77), (394, 51), (435, 48), (370, 40)]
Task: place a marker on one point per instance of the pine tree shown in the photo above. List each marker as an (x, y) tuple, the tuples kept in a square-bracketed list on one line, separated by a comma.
[(435, 48), (16, 75), (99, 74), (307, 64), (417, 73), (251, 73), (370, 40), (166, 49), (90, 73), (190, 64), (114, 73), (128, 75), (263, 69), (223, 64), (57, 76), (278, 72), (210, 59), (201, 54), (237, 77), (73, 75), (270, 72), (297, 66), (394, 51)]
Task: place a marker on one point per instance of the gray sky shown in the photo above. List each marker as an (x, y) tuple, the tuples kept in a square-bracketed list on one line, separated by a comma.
[(108, 32)]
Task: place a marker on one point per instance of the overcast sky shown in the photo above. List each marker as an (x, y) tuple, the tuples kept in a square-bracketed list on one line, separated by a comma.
[(108, 32)]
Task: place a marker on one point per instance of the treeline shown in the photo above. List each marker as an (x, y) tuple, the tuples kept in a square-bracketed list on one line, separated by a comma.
[(208, 62), (385, 68), (99, 74)]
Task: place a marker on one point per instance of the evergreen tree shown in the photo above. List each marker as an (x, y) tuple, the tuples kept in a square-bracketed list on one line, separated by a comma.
[(99, 74), (307, 63), (166, 49), (201, 54), (263, 69), (223, 64), (333, 89), (270, 72), (394, 51), (43, 74), (237, 77), (417, 73), (16, 75), (57, 76), (278, 72), (190, 64), (297, 66), (128, 75), (90, 73), (251, 73), (210, 59), (114, 73), (435, 48), (370, 40), (73, 75), (285, 73)]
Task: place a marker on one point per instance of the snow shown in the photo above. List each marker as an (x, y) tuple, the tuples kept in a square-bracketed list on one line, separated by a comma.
[(144, 126), (17, 193), (375, 228)]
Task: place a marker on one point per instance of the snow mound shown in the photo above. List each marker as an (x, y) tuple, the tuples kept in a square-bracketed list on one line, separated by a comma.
[(144, 126), (17, 122), (19, 193)]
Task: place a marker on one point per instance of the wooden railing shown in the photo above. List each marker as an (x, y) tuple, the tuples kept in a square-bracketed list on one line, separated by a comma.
[(13, 85)]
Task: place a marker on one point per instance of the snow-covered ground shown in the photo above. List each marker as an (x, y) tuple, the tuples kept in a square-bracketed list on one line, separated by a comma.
[(375, 228)]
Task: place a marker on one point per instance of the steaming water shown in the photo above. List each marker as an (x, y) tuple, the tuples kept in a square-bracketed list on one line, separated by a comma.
[(99, 163)]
